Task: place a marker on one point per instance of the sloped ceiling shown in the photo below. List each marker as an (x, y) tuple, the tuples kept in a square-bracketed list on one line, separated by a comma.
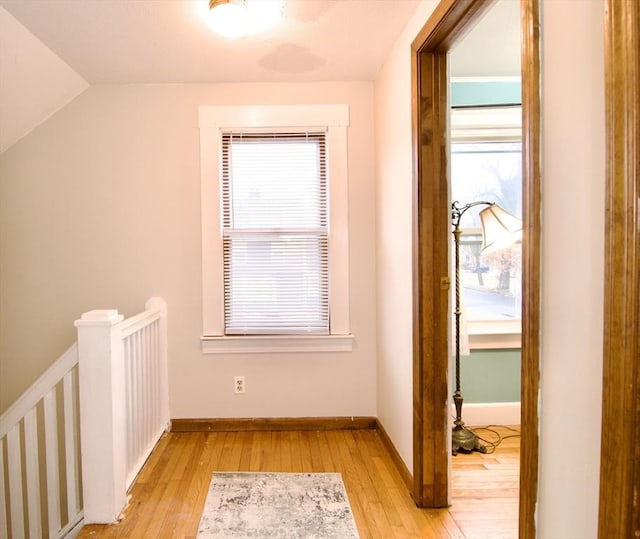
[(34, 82)]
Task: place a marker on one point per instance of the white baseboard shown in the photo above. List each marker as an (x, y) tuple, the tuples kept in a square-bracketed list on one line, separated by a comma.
[(491, 413)]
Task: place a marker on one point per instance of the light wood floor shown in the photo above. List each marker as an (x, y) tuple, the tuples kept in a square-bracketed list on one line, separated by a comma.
[(167, 499)]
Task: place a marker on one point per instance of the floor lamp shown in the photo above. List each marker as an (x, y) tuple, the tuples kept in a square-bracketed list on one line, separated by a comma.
[(499, 230)]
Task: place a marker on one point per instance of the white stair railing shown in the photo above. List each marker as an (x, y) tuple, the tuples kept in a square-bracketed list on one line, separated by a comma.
[(107, 394), (44, 497), (123, 402), (145, 385)]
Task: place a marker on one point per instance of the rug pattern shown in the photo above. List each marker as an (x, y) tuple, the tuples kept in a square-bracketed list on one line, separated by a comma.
[(244, 505)]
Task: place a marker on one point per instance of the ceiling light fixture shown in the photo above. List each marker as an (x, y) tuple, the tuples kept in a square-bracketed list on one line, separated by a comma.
[(229, 17), (236, 18)]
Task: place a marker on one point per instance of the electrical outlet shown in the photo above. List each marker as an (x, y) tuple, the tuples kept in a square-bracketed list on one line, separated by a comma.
[(238, 384)]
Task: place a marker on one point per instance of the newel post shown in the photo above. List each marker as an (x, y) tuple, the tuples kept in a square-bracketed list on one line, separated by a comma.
[(102, 415)]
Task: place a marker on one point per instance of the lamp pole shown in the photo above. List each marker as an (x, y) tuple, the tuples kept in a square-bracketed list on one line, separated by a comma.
[(462, 438)]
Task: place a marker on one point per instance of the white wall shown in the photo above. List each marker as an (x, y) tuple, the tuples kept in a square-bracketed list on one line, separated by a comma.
[(394, 175), (100, 208), (572, 267)]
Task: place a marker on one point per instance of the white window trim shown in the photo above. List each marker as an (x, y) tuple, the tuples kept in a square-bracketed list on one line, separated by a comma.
[(213, 120), (230, 344), (488, 334), (500, 124)]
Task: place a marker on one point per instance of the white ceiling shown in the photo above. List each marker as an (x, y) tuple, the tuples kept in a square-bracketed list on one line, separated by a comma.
[(138, 41), (492, 47), (169, 41)]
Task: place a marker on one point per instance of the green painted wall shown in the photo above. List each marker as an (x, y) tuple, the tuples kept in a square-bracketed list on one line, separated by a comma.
[(489, 376), (472, 94)]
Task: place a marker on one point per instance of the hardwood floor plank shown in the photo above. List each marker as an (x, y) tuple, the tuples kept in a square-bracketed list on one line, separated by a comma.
[(177, 522), (167, 498), (351, 479), (214, 443), (486, 489), (231, 451), (150, 466), (293, 439), (245, 439), (256, 464)]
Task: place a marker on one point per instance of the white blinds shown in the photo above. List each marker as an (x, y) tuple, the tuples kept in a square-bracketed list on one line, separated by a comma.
[(275, 233)]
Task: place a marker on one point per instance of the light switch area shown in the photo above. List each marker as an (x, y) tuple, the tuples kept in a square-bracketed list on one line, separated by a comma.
[(238, 385)]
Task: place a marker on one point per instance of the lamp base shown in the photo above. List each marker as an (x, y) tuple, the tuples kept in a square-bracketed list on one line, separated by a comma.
[(462, 439)]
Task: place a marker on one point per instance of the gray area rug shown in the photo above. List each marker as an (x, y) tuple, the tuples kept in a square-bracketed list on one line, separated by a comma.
[(277, 505)]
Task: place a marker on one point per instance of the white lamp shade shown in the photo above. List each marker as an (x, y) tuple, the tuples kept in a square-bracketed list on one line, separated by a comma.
[(500, 229)]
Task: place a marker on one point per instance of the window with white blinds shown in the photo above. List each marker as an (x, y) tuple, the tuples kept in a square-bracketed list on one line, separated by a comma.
[(275, 228), (275, 231)]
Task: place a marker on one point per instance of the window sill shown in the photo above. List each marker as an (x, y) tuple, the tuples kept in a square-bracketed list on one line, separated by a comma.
[(248, 344), (495, 334), (488, 342)]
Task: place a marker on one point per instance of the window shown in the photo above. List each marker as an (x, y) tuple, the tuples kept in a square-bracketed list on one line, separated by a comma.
[(486, 164), (275, 233), (274, 228)]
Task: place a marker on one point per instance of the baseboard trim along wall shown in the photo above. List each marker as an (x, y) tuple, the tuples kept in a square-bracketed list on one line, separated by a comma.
[(272, 423), (404, 472), (491, 413)]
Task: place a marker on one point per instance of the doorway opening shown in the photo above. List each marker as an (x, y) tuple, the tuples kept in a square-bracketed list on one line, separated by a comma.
[(432, 435)]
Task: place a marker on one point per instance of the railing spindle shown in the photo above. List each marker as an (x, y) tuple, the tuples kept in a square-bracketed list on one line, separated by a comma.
[(129, 370), (15, 482), (51, 457), (32, 473), (71, 457), (4, 524)]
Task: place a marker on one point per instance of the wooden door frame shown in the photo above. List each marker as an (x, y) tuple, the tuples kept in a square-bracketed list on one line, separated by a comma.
[(619, 516), (431, 236)]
